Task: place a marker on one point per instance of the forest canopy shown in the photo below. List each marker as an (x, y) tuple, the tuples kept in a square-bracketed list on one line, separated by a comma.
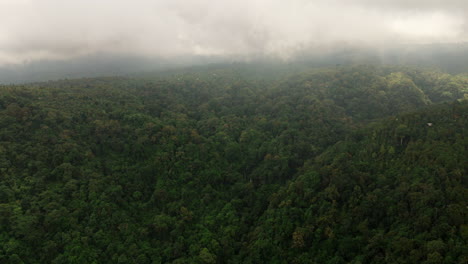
[(345, 164)]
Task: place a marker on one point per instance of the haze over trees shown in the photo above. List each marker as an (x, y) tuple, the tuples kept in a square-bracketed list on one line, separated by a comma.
[(225, 132), (343, 164)]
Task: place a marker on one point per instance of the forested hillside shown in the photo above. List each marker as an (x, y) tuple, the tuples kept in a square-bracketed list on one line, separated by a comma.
[(391, 193), (357, 164)]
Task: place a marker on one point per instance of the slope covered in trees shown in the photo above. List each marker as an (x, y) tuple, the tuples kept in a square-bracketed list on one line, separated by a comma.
[(391, 193), (208, 167)]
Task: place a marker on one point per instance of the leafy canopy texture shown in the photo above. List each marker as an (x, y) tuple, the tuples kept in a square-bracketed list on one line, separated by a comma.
[(332, 165)]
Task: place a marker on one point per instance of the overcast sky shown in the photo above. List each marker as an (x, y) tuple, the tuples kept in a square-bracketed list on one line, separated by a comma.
[(59, 29)]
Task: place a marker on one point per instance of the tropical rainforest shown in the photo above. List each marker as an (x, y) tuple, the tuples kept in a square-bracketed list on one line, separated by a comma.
[(342, 164)]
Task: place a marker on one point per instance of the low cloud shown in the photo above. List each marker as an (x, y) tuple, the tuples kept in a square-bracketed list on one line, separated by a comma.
[(33, 30)]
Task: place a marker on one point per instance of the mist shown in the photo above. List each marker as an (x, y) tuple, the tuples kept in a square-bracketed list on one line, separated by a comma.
[(161, 33)]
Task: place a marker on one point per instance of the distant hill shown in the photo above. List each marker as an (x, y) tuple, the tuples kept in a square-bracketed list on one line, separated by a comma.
[(449, 58)]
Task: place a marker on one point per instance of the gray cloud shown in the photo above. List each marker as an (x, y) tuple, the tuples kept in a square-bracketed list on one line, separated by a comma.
[(58, 29)]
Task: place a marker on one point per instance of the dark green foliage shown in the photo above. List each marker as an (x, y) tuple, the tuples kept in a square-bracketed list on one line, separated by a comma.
[(376, 198), (208, 168)]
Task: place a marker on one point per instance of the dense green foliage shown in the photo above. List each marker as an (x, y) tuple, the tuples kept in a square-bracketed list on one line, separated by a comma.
[(392, 193), (207, 167)]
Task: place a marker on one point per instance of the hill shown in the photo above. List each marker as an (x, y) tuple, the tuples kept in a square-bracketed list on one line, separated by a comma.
[(331, 165)]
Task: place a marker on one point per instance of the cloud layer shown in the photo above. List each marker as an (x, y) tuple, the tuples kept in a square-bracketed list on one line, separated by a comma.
[(58, 29)]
